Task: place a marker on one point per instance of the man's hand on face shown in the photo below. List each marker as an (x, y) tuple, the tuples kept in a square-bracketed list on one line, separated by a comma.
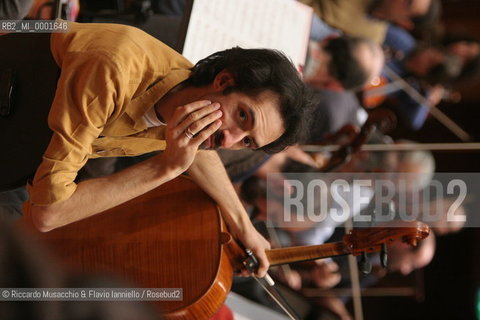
[(190, 126)]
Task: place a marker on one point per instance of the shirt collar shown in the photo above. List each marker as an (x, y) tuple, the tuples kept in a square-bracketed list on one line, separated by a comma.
[(140, 105)]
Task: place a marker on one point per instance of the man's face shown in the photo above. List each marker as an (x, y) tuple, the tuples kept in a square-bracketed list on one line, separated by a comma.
[(402, 11), (416, 8), (247, 122)]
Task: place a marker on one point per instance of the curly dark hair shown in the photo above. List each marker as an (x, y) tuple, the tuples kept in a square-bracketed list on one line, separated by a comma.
[(256, 70)]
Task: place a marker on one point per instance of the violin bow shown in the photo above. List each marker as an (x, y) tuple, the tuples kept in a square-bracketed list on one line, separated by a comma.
[(354, 279), (268, 285)]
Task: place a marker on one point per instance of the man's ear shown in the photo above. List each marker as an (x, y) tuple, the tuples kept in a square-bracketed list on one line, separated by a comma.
[(223, 80)]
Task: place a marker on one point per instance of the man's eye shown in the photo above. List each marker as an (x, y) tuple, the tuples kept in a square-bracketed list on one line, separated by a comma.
[(243, 115), (247, 142)]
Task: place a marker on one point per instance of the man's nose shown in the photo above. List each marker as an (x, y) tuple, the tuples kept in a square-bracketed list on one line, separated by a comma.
[(232, 138)]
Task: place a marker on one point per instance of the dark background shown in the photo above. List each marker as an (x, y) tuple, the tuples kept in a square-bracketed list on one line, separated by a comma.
[(452, 279)]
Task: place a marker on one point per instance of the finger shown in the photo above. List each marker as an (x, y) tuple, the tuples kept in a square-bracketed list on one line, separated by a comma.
[(335, 279), (320, 262), (197, 126), (264, 264), (182, 112), (203, 135), (188, 114), (333, 266)]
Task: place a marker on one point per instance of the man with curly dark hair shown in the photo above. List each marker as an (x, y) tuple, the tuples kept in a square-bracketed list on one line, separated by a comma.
[(121, 92)]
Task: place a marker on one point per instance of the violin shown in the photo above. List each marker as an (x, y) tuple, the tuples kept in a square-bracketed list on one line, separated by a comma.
[(370, 95), (383, 120), (174, 237)]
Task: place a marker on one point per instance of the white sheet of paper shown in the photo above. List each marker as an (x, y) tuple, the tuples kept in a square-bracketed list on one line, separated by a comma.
[(222, 24)]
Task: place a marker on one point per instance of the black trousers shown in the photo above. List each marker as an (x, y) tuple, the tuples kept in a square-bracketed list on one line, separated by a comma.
[(24, 132)]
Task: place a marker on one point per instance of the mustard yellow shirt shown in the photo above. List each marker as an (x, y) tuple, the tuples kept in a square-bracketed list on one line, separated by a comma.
[(110, 76), (351, 17)]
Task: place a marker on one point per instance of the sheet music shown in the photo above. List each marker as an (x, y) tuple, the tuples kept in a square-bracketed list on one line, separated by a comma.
[(221, 24)]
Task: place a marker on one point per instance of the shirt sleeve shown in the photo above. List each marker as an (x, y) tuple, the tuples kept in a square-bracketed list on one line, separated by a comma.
[(399, 39), (87, 93)]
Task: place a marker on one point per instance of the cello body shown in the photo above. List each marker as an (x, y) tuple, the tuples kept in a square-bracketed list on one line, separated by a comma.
[(170, 237)]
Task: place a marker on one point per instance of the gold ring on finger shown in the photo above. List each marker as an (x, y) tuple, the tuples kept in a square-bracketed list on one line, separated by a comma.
[(189, 133)]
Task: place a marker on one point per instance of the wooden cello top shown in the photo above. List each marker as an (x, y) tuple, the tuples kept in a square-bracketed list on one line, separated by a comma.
[(166, 238)]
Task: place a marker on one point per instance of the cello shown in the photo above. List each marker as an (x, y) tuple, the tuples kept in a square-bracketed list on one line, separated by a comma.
[(174, 237)]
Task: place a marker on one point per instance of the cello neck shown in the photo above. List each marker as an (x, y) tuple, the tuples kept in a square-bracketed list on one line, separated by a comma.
[(356, 242), (304, 253)]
